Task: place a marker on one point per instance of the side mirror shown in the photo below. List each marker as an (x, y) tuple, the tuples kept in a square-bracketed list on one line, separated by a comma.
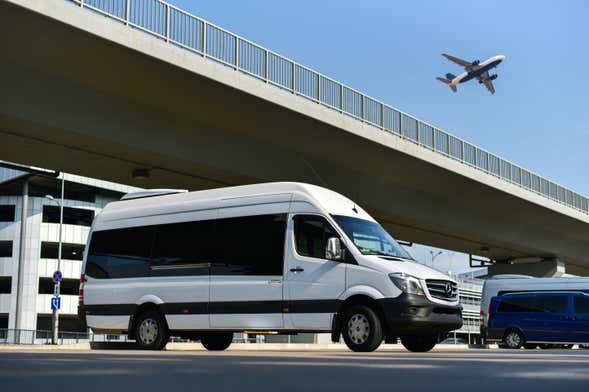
[(333, 250)]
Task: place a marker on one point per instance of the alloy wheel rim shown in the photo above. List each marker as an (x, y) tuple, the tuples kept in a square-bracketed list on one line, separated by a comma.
[(358, 328), (513, 339), (148, 331)]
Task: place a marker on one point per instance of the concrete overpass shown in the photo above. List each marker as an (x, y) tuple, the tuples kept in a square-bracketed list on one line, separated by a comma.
[(187, 104)]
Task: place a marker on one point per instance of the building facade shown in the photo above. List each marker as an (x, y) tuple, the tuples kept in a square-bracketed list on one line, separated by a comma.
[(29, 243)]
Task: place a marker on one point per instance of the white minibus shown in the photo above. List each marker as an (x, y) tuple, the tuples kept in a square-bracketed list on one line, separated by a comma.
[(278, 257)]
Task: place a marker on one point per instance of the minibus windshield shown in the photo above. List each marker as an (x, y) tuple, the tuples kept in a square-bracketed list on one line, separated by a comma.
[(370, 238)]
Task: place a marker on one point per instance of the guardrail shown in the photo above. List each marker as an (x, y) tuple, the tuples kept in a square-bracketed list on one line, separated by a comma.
[(182, 29)]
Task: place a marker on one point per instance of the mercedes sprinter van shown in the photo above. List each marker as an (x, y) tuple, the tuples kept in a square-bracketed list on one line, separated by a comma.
[(276, 257)]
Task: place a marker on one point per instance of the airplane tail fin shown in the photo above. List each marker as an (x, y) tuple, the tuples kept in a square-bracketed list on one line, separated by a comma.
[(448, 83)]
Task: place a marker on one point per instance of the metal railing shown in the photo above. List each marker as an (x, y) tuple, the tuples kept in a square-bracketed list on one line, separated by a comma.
[(182, 29), (31, 336)]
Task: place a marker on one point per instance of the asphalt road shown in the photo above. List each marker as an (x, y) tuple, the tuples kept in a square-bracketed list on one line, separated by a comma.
[(138, 371)]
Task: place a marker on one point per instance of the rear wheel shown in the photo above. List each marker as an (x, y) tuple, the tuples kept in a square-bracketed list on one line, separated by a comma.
[(419, 343), (217, 341), (151, 331), (514, 339), (362, 328)]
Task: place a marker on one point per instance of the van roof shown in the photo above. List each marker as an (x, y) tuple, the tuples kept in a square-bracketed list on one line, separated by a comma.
[(331, 201)]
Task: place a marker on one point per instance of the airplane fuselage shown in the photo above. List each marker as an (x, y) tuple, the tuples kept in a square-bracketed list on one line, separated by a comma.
[(483, 67)]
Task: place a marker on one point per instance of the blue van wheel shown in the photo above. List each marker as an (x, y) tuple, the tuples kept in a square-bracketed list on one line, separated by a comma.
[(514, 339)]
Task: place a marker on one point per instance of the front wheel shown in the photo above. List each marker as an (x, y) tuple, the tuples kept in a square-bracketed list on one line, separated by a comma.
[(420, 343), (362, 329), (151, 331), (217, 341)]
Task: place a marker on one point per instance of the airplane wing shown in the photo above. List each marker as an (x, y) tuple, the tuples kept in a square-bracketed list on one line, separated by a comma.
[(484, 78), (458, 61), (489, 86)]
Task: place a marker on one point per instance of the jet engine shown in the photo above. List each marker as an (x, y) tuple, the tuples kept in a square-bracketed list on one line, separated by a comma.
[(476, 62), (493, 77)]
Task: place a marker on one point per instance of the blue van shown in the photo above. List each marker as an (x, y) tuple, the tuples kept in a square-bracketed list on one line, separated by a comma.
[(539, 318)]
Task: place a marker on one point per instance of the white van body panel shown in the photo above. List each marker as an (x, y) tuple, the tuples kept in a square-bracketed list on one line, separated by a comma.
[(318, 284), (505, 284), (361, 289), (115, 323), (150, 298)]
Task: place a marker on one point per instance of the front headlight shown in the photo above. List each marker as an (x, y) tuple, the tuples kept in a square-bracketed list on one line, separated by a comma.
[(407, 283)]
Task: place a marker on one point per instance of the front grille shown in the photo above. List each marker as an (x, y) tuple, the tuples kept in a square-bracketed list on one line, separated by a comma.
[(437, 289)]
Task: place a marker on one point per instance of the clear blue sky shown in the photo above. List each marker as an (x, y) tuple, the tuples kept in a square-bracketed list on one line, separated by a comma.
[(539, 117)]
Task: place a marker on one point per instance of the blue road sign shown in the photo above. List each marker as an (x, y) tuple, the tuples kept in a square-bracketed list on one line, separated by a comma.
[(57, 277), (55, 303)]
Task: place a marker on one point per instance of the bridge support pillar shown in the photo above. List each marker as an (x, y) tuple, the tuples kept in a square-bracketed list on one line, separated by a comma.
[(547, 268)]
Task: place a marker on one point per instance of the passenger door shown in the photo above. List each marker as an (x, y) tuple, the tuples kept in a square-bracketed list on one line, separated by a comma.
[(552, 309), (580, 322), (313, 283), (246, 277)]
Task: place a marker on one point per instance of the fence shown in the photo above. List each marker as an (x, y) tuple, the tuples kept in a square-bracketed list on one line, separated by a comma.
[(34, 337), (177, 27), (31, 336)]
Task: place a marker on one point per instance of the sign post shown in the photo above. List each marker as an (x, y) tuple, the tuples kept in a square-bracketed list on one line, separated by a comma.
[(56, 304), (57, 275)]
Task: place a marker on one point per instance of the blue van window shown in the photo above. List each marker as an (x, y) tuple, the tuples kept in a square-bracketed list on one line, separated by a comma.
[(553, 303), (582, 305), (534, 304)]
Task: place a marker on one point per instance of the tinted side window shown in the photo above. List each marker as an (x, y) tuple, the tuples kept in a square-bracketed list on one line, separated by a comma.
[(311, 235), (250, 245), (120, 253), (540, 304), (582, 305), (552, 304), (183, 248), (523, 304)]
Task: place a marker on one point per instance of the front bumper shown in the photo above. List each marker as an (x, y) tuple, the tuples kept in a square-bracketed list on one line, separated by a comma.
[(410, 314)]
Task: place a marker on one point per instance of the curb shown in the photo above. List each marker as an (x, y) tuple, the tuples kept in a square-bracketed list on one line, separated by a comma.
[(234, 347)]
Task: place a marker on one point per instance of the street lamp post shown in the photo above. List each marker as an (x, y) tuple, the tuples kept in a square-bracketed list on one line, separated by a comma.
[(56, 289)]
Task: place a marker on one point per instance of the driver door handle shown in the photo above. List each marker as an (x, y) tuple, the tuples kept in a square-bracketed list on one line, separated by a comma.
[(297, 269)]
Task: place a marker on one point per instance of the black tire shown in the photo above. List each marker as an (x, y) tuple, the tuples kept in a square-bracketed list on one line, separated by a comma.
[(419, 343), (530, 346), (514, 339), (217, 341), (362, 328), (545, 346), (151, 331)]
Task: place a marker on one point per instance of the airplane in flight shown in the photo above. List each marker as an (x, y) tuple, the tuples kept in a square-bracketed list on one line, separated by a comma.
[(473, 70)]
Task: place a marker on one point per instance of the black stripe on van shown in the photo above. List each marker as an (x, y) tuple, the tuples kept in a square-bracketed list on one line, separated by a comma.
[(241, 307)]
